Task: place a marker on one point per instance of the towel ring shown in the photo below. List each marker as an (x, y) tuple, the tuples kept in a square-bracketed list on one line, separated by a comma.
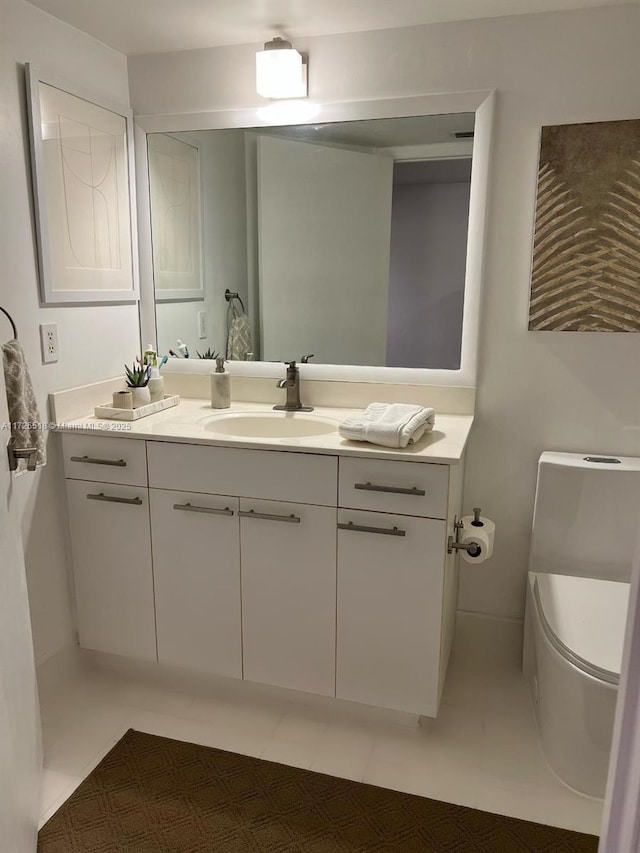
[(10, 319), (230, 296)]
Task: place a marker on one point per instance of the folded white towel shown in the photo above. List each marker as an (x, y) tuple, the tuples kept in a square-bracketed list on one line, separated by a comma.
[(389, 424)]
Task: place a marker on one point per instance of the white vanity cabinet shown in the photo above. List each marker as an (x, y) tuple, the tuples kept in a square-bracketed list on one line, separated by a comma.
[(273, 561), (289, 594), (315, 572), (391, 605), (110, 538)]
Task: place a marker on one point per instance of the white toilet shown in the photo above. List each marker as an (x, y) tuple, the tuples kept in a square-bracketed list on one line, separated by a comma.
[(585, 531)]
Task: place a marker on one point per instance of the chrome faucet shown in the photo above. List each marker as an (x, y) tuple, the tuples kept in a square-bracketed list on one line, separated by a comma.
[(292, 384)]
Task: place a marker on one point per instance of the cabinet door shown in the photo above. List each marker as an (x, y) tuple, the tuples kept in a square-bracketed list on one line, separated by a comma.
[(111, 549), (390, 582), (196, 568), (289, 594)]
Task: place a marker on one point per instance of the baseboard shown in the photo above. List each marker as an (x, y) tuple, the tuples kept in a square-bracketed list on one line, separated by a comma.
[(58, 668), (491, 617), (193, 682), (480, 634)]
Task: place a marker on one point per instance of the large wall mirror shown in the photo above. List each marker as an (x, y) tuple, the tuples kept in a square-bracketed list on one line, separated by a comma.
[(345, 241)]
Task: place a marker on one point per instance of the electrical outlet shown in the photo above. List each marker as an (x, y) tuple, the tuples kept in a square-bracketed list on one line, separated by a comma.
[(202, 324), (49, 342)]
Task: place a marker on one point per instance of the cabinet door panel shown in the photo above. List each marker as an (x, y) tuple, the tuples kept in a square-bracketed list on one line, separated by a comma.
[(196, 567), (289, 595), (389, 610), (111, 549)]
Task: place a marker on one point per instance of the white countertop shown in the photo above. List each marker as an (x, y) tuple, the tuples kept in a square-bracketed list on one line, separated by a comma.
[(191, 420)]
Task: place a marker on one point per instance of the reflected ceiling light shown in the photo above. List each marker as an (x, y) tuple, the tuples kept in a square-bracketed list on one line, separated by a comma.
[(281, 71), (288, 112)]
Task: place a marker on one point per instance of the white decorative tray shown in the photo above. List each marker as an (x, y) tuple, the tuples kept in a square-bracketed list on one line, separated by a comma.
[(110, 413)]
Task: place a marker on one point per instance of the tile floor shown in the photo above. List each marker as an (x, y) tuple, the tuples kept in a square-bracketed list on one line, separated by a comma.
[(482, 751)]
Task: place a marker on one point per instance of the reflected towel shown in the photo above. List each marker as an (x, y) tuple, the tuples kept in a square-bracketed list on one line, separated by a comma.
[(239, 338), (23, 409), (389, 424)]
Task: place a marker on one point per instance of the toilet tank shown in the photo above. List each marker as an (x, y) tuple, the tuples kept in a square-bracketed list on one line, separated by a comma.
[(586, 519)]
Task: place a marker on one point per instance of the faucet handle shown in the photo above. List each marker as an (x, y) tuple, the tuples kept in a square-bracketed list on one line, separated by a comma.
[(305, 358), (292, 365)]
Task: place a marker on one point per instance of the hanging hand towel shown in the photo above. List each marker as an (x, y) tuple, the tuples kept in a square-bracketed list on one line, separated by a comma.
[(239, 338), (389, 424), (23, 409)]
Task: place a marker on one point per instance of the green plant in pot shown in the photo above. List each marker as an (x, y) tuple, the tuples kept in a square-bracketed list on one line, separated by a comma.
[(209, 353), (138, 381)]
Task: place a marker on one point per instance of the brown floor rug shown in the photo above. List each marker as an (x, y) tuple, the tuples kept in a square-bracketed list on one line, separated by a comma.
[(154, 795)]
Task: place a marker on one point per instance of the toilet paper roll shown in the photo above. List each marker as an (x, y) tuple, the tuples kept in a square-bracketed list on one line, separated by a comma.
[(483, 523), (479, 538), (482, 534)]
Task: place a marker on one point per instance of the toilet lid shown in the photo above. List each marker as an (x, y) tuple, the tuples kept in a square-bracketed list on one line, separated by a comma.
[(586, 618)]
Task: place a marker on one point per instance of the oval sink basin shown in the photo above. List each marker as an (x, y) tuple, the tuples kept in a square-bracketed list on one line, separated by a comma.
[(270, 425)]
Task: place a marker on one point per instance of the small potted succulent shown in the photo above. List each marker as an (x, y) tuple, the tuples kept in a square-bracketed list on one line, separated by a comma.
[(209, 353), (138, 381)]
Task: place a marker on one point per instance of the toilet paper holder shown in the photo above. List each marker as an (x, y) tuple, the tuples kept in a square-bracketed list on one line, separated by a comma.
[(470, 547)]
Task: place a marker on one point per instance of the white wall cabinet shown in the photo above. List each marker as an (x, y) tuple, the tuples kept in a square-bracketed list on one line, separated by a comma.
[(316, 573), (196, 568), (289, 594)]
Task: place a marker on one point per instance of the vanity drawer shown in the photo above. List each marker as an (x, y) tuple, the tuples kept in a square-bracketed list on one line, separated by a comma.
[(104, 460), (274, 475), (408, 488)]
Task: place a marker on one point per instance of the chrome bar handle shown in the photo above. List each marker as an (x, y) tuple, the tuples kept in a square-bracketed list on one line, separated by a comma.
[(394, 490), (115, 500), (210, 510), (361, 528), (90, 460), (266, 516)]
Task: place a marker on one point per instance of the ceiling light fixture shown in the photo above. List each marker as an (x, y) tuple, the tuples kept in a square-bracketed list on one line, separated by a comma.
[(281, 71)]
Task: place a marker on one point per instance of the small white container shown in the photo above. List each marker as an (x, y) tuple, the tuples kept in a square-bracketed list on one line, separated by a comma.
[(122, 400), (220, 386), (141, 396), (156, 388)]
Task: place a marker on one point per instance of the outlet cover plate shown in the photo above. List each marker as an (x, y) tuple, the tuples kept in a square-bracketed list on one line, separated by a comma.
[(202, 325), (49, 342)]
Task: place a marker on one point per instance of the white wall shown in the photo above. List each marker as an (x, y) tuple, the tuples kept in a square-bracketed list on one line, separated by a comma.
[(94, 341), (536, 390)]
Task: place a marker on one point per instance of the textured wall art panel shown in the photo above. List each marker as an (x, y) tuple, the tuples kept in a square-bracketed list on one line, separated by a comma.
[(586, 252)]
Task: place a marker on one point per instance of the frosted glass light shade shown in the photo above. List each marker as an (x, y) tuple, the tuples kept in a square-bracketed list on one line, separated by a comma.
[(280, 71)]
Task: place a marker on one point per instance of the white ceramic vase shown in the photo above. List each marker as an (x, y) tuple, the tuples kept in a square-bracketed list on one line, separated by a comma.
[(141, 396), (156, 388)]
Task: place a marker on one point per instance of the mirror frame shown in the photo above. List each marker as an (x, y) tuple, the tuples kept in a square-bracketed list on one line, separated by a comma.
[(482, 103)]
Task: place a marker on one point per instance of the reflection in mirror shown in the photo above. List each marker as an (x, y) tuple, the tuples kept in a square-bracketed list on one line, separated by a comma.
[(344, 240)]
